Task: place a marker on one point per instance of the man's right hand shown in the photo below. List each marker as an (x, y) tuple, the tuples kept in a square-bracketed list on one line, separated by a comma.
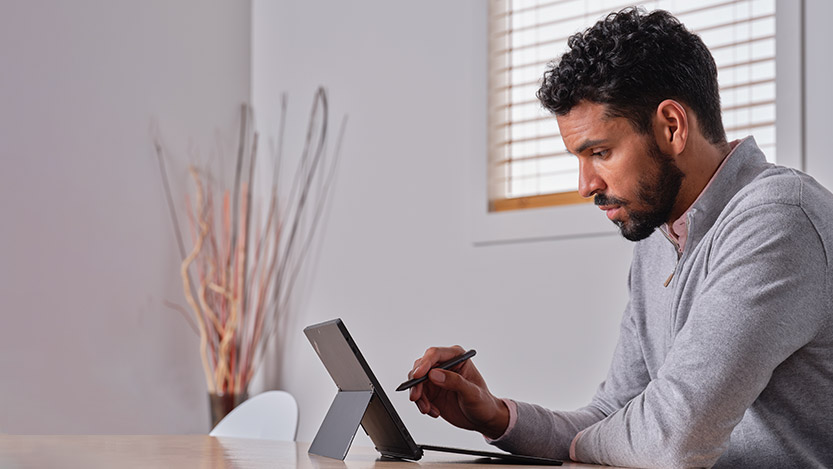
[(459, 395)]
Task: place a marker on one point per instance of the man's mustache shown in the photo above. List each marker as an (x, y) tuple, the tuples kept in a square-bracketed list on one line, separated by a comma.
[(603, 199)]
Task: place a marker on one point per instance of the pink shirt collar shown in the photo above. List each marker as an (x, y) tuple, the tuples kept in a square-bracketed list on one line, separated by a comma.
[(678, 230)]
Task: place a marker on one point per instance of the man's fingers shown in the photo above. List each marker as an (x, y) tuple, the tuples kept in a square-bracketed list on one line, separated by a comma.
[(416, 365), (434, 412), (425, 405), (416, 392)]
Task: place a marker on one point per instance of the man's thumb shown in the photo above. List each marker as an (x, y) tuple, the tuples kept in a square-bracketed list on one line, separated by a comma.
[(449, 380)]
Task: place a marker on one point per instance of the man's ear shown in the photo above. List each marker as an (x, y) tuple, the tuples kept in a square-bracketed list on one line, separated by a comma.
[(671, 127)]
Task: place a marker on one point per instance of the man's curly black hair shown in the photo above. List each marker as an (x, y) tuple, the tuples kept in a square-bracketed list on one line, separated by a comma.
[(632, 61)]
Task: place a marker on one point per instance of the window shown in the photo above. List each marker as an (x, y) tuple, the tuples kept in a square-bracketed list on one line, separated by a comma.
[(528, 164)]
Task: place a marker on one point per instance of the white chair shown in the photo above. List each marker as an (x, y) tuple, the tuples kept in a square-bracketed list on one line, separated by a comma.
[(272, 415)]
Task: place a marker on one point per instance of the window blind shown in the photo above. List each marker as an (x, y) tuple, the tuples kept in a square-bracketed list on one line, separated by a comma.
[(529, 165)]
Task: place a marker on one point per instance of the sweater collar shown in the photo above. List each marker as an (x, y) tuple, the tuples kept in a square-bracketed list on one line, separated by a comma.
[(746, 163)]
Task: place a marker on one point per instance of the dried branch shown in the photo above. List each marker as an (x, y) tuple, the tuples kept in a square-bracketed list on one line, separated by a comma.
[(186, 281)]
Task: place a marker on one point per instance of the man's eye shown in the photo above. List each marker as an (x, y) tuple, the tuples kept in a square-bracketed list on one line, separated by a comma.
[(600, 153)]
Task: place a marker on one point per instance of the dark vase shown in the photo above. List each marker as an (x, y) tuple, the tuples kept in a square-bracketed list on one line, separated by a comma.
[(222, 403)]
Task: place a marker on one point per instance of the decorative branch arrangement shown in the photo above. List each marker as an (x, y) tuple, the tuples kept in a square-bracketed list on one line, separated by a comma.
[(245, 257)]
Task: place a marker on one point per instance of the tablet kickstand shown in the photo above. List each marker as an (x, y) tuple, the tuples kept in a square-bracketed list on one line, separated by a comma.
[(336, 433)]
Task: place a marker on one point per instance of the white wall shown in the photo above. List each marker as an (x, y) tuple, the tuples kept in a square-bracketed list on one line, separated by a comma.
[(397, 262), (86, 247)]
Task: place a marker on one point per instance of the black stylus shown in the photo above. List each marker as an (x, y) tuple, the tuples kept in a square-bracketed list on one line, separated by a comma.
[(444, 365)]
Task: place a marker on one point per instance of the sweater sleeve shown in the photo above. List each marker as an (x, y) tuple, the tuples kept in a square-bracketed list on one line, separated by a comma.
[(761, 301), (546, 433)]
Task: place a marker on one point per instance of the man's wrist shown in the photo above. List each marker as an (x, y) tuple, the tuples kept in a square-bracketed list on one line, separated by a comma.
[(497, 427)]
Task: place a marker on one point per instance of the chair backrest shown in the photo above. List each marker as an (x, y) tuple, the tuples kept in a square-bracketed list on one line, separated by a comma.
[(272, 415)]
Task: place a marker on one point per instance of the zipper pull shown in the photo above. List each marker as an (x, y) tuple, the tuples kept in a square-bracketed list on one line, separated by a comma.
[(679, 255), (667, 282)]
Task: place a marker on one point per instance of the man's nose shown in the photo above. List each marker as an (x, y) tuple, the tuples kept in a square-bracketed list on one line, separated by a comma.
[(589, 181)]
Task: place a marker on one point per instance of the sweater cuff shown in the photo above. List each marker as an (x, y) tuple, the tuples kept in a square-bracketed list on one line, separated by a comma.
[(573, 446), (513, 419)]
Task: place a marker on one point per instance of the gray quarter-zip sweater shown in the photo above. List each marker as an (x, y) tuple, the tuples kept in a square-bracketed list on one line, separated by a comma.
[(731, 364)]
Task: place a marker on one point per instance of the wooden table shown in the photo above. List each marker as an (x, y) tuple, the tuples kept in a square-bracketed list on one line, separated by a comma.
[(201, 451)]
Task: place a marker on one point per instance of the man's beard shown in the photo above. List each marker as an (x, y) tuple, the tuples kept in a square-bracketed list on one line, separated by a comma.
[(658, 195)]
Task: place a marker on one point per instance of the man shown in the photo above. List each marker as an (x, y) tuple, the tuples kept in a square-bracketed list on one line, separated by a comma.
[(725, 354)]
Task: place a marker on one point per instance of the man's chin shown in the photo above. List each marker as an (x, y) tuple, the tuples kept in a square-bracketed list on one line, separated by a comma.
[(633, 232)]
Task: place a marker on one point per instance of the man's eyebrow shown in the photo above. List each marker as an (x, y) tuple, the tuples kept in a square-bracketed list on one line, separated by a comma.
[(587, 144)]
